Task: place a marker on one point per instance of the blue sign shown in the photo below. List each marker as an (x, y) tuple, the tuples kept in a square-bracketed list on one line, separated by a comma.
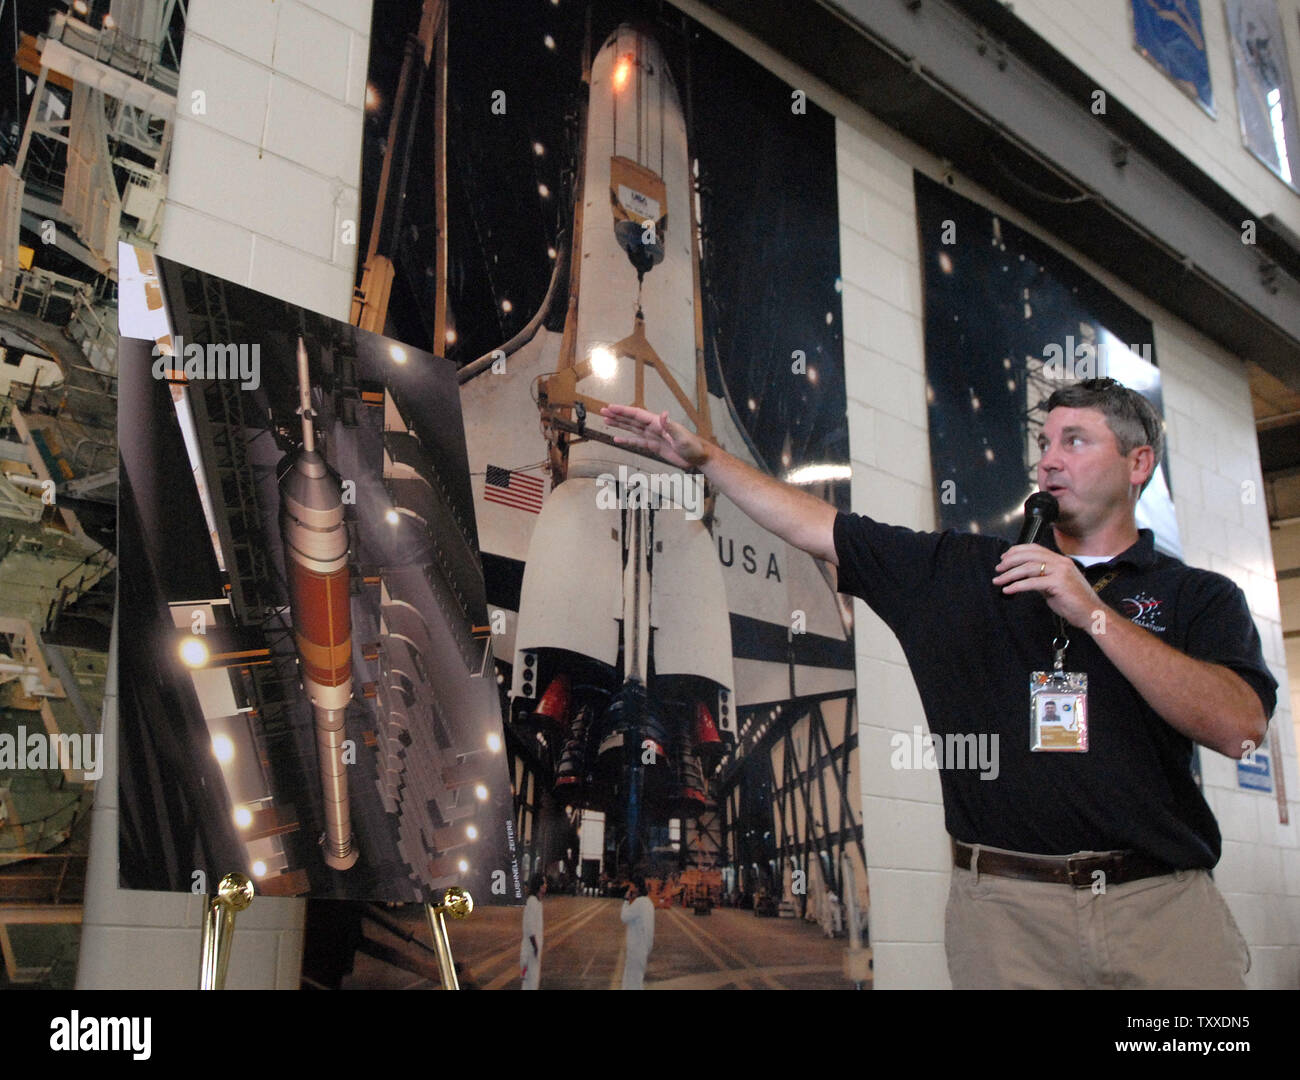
[(1253, 772), (1169, 34)]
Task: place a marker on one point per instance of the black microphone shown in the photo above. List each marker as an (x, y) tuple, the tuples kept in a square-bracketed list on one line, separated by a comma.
[(1040, 511)]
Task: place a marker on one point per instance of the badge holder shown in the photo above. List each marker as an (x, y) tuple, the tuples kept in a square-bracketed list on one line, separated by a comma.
[(1058, 705)]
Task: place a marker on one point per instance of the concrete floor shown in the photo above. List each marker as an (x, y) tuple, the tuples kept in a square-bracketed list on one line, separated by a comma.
[(583, 950)]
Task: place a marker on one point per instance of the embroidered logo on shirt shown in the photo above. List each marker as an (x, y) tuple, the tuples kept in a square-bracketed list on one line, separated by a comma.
[(1143, 610)]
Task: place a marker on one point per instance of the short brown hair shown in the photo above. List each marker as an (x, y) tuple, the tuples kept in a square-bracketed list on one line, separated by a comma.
[(1131, 417)]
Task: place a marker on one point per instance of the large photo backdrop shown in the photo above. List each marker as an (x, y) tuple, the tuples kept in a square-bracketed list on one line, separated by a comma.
[(611, 205)]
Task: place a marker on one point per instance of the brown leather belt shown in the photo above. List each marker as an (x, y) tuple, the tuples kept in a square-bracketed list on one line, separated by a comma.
[(1076, 870)]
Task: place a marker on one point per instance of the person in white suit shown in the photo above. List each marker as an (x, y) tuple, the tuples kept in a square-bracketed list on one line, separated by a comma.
[(638, 915), (530, 946)]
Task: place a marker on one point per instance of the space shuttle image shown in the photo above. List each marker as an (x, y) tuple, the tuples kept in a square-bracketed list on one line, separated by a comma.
[(646, 618)]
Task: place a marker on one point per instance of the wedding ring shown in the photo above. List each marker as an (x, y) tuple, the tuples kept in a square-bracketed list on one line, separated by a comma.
[(1042, 569)]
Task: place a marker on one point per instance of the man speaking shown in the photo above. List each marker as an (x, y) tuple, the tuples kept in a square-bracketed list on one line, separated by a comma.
[(1085, 862)]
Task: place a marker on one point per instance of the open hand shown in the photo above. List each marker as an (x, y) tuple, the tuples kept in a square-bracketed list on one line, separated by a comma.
[(643, 430)]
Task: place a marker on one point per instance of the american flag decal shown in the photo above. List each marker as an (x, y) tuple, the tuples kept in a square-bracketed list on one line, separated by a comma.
[(516, 489)]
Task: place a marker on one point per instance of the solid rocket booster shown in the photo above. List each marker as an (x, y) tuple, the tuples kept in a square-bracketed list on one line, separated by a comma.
[(316, 560)]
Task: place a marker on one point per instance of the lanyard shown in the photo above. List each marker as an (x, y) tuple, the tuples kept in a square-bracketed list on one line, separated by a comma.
[(1061, 642)]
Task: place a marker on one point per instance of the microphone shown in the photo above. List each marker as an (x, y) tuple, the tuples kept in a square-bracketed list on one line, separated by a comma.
[(1040, 511)]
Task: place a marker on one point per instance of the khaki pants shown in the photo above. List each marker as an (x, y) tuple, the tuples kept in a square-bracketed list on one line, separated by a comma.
[(1169, 932)]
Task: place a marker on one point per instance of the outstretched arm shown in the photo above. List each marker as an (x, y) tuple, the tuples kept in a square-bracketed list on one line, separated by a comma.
[(797, 517)]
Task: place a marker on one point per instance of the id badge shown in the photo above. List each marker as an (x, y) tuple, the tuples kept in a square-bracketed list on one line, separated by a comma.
[(1058, 711)]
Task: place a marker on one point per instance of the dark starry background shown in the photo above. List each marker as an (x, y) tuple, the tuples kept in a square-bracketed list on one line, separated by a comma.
[(992, 299)]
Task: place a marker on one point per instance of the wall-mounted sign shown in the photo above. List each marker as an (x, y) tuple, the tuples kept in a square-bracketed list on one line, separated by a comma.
[(1255, 771), (1265, 99), (1170, 35)]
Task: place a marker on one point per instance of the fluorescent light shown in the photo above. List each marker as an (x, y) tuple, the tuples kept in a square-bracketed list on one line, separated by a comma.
[(818, 474)]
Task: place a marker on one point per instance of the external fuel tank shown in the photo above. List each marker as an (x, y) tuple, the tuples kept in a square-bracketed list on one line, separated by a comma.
[(316, 560)]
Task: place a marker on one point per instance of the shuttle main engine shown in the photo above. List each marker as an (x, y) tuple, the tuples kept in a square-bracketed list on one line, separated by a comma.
[(316, 560)]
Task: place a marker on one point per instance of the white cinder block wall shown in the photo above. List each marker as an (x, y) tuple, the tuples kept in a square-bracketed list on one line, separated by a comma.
[(265, 173), (1214, 461), (1213, 450), (1098, 37), (266, 164), (908, 856)]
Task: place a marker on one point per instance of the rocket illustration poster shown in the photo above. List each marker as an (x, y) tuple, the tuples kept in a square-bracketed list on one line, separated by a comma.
[(306, 682), (609, 204)]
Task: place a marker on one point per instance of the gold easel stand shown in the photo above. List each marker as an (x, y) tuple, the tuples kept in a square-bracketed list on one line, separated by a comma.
[(234, 894), (457, 903)]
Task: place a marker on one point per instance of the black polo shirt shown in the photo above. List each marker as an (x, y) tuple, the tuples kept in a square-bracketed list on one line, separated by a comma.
[(972, 648)]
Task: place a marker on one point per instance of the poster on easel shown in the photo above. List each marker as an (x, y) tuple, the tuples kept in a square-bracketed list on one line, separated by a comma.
[(307, 689)]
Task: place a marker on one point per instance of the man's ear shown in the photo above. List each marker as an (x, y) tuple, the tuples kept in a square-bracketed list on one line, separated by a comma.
[(1142, 465)]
